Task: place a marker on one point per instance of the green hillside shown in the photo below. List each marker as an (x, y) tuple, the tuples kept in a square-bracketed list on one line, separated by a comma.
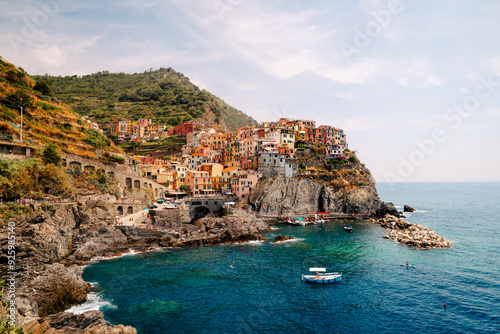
[(164, 95), (45, 119)]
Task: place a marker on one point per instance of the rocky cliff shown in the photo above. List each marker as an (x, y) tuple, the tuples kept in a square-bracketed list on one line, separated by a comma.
[(280, 195), (52, 241)]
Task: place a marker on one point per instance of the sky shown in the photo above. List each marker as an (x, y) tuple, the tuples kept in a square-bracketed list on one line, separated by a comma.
[(414, 84)]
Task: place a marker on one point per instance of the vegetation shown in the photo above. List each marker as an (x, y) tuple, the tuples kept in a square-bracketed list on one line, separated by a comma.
[(45, 120), (5, 323), (96, 139), (50, 155), (31, 178), (164, 95)]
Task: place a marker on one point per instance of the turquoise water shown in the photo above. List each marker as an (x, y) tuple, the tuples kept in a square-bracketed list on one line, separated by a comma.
[(197, 291)]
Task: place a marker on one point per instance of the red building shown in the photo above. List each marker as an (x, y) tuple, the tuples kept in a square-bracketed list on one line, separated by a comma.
[(185, 128)]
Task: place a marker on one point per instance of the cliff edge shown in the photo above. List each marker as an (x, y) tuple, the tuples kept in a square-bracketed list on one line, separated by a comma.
[(347, 188)]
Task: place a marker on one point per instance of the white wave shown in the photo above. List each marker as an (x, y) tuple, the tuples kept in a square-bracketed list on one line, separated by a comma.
[(251, 243), (94, 303), (417, 210), (102, 258), (274, 228), (289, 240)]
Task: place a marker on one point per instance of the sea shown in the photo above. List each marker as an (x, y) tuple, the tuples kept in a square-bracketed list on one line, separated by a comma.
[(256, 287)]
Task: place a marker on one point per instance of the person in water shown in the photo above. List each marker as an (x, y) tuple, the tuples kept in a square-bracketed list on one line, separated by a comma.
[(407, 264)]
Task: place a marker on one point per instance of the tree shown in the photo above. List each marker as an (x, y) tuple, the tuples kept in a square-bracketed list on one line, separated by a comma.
[(50, 155), (44, 87)]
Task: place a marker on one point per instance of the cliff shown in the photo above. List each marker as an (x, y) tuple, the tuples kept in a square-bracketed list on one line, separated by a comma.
[(52, 241), (347, 188)]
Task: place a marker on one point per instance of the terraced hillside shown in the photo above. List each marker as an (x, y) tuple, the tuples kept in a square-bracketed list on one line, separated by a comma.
[(164, 95), (45, 119)]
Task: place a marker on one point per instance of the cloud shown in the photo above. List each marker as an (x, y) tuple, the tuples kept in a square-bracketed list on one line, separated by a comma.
[(59, 53), (419, 73)]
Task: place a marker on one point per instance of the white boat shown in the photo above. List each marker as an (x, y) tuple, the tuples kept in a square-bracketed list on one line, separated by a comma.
[(322, 276), (320, 221)]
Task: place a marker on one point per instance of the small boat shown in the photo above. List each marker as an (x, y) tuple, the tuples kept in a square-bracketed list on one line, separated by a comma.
[(322, 276), (407, 265), (320, 221), (300, 221), (348, 228)]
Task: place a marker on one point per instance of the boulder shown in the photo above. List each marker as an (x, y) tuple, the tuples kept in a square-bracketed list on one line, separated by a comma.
[(387, 208), (407, 208), (280, 237)]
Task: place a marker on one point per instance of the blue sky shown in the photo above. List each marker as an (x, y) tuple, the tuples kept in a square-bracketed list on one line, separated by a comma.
[(415, 84)]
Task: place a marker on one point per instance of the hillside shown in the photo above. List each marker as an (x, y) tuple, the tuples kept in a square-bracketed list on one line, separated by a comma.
[(164, 95), (45, 120)]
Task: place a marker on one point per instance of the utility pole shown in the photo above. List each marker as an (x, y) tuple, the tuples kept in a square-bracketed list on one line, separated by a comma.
[(21, 133), (21, 128)]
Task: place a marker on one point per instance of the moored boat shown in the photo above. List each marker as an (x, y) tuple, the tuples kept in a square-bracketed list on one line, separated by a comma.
[(348, 228), (322, 276)]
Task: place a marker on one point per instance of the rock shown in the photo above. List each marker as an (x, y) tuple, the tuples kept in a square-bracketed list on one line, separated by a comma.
[(81, 321), (280, 195), (90, 322), (406, 208), (280, 237), (387, 208)]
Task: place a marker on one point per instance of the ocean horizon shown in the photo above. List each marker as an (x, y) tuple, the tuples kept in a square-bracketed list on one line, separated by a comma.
[(256, 287)]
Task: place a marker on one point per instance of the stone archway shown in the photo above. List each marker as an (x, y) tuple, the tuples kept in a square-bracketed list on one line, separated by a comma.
[(137, 184), (156, 192), (120, 210), (128, 183), (145, 185), (130, 210), (89, 168), (75, 164), (111, 174)]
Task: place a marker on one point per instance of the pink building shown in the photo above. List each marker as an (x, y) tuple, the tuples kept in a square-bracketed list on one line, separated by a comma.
[(199, 182), (242, 186)]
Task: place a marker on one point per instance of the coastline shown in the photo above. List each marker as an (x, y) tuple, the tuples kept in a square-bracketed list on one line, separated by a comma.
[(98, 239), (62, 239)]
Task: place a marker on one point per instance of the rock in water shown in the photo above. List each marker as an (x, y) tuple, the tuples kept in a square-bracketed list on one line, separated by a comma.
[(387, 208), (280, 237), (407, 208)]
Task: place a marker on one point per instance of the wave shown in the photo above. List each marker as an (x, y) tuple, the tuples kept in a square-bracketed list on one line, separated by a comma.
[(101, 258), (95, 302), (252, 243), (289, 240), (274, 228)]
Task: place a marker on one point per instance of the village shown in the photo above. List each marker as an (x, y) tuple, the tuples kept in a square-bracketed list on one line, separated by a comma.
[(212, 163)]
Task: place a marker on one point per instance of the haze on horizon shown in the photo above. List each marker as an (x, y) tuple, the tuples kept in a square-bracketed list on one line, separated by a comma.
[(414, 84)]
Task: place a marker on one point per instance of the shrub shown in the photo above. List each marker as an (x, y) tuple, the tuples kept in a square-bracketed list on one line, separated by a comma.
[(50, 155), (96, 139)]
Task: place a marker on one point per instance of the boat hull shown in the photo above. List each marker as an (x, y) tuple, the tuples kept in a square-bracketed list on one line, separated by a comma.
[(322, 279)]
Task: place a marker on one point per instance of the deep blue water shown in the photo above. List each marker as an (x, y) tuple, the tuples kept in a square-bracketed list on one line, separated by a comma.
[(196, 291)]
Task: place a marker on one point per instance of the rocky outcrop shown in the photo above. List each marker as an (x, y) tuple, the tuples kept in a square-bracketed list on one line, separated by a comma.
[(238, 226), (413, 235), (53, 241), (85, 323), (280, 238), (407, 208), (387, 208), (50, 244), (280, 195)]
